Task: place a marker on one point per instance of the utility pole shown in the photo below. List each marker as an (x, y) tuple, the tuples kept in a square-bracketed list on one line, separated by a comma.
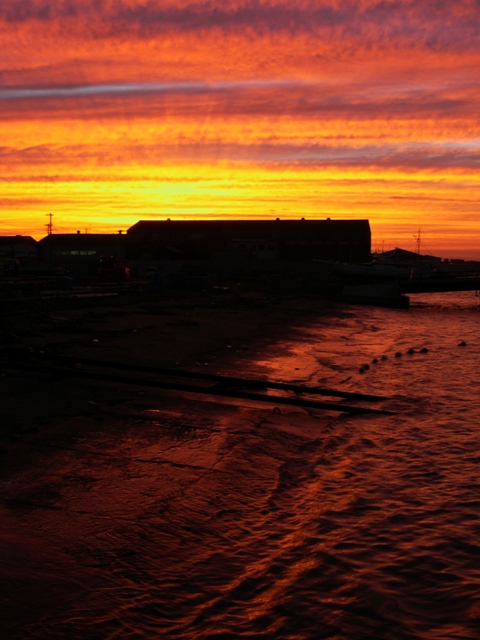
[(49, 224), (417, 240)]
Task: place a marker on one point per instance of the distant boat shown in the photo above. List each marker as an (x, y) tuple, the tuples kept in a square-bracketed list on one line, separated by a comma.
[(380, 282)]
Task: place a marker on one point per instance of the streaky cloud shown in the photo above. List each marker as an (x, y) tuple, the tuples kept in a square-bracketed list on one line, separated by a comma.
[(268, 96), (450, 155), (199, 87), (436, 25)]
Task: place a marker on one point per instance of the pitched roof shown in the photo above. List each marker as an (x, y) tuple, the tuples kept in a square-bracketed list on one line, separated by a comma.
[(16, 240)]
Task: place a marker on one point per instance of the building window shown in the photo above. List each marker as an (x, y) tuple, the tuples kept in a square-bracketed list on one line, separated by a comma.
[(77, 253)]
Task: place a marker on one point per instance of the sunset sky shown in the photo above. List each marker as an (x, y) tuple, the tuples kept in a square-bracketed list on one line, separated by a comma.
[(112, 111)]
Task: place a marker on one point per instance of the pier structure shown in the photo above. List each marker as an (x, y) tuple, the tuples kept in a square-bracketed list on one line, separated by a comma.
[(393, 291), (444, 281)]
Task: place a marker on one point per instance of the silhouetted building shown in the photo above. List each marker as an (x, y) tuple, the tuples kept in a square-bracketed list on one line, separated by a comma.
[(81, 253), (223, 247), (402, 256), (16, 253), (18, 247), (263, 240)]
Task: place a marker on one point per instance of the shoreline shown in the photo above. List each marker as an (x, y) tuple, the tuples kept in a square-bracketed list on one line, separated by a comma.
[(195, 332)]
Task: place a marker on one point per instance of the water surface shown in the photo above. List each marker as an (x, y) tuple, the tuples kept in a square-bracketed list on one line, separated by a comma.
[(222, 521)]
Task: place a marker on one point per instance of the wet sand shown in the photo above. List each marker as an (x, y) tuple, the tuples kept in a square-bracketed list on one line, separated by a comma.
[(84, 463), (194, 332)]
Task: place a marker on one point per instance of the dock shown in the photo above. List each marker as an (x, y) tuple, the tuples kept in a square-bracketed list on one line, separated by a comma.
[(443, 282)]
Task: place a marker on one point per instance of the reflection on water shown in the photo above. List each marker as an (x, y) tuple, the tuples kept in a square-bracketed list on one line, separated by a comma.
[(241, 522)]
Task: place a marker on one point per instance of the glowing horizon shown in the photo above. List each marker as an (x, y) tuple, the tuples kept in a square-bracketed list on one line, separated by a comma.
[(114, 112)]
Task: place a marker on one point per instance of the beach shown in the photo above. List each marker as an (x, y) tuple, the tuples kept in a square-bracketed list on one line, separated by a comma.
[(57, 434), (190, 331)]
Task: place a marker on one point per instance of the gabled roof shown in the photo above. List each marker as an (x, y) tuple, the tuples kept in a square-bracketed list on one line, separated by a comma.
[(403, 255), (9, 241)]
